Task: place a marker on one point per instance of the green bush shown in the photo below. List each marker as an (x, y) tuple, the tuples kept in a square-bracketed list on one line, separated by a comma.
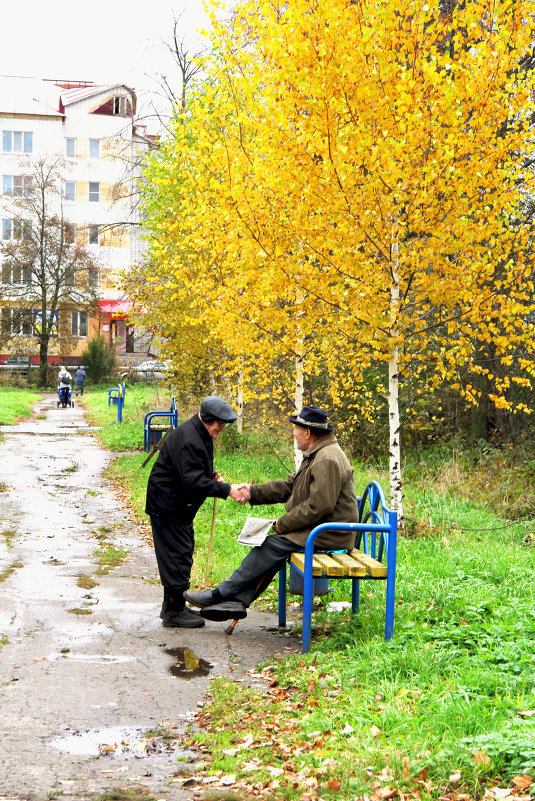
[(98, 359)]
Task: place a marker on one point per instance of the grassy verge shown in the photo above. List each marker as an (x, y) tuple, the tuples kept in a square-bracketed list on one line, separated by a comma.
[(445, 710), (16, 403)]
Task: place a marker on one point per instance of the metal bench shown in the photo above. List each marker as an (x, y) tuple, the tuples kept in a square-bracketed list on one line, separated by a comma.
[(373, 558), (152, 433)]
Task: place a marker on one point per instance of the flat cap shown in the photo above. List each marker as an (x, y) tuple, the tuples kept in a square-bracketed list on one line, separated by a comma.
[(216, 407)]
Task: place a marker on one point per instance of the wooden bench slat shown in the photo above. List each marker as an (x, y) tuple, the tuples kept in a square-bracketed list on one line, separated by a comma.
[(374, 568), (351, 566), (328, 565), (298, 559)]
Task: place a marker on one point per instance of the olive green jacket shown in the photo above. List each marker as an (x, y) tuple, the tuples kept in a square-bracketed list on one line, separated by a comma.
[(322, 491)]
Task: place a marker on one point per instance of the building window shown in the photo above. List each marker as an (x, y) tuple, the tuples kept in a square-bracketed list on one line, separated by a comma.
[(119, 105), (70, 190), (69, 233), (94, 191), (17, 185), (70, 147), (94, 235), (15, 274), (94, 148), (79, 324), (17, 322), (17, 229), (17, 141)]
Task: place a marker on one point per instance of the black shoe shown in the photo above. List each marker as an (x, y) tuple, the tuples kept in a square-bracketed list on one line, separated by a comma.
[(200, 598), (185, 619), (227, 610)]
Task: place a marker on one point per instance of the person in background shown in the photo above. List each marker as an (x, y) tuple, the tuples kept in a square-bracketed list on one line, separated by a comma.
[(79, 380), (64, 382), (181, 479)]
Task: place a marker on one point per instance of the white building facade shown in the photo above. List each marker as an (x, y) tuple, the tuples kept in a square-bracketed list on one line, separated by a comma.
[(92, 128)]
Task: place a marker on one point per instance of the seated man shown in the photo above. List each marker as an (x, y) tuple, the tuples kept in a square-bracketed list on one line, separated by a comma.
[(322, 491)]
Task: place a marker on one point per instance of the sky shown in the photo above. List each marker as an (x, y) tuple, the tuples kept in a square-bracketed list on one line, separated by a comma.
[(104, 41)]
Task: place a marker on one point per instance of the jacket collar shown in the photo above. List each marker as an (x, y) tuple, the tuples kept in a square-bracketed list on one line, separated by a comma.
[(199, 425), (328, 439)]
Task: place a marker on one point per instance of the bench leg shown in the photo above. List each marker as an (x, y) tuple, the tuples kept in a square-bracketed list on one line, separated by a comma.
[(282, 595), (390, 598), (308, 597), (355, 595)]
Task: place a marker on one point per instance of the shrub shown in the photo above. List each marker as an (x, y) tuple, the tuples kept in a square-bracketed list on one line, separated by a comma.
[(98, 359)]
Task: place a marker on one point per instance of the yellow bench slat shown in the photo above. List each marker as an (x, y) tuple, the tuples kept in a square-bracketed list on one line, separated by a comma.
[(351, 566), (374, 568), (328, 565), (298, 559)]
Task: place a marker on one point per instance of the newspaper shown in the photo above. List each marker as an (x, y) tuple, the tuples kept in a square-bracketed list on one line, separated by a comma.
[(255, 531)]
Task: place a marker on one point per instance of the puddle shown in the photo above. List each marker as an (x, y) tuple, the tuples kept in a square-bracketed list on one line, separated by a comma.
[(125, 741), (188, 666), (95, 742), (93, 659)]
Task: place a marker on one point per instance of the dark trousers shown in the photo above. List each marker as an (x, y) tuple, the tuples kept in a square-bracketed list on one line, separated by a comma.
[(174, 542), (257, 570)]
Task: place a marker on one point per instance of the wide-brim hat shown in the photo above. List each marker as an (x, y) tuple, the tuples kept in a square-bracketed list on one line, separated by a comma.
[(212, 406), (312, 417)]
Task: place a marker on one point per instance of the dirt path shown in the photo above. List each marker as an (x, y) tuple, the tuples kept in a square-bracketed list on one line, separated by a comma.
[(91, 684)]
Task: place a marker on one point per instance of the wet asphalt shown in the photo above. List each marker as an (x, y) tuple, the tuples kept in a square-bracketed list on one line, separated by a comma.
[(93, 690)]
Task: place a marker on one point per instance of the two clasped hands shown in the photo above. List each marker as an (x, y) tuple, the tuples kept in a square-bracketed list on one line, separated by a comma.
[(240, 493)]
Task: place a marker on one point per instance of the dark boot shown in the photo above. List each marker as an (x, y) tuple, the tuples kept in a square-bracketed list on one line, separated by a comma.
[(202, 598), (185, 619), (173, 612), (227, 610)]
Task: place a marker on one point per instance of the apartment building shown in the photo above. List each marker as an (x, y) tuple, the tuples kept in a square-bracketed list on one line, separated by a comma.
[(92, 131)]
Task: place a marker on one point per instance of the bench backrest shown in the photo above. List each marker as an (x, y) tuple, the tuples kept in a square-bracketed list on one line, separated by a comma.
[(374, 510)]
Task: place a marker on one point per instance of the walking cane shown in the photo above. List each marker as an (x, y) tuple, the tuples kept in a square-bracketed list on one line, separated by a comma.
[(210, 544)]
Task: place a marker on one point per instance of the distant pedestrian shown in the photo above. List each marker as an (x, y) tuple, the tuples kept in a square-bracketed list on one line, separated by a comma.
[(79, 380), (64, 383)]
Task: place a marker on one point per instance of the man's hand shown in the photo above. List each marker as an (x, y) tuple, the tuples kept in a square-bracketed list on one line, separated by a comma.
[(240, 493), (276, 527)]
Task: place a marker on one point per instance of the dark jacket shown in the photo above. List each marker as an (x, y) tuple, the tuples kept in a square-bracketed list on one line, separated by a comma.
[(322, 491), (183, 474), (79, 378)]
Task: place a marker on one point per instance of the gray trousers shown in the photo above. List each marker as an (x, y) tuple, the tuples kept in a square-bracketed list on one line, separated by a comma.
[(257, 570)]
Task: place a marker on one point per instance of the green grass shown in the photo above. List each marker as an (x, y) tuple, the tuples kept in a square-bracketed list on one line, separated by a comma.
[(16, 403), (437, 711)]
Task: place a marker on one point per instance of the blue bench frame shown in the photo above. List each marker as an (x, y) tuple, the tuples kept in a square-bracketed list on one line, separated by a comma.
[(377, 532), (115, 393), (172, 414)]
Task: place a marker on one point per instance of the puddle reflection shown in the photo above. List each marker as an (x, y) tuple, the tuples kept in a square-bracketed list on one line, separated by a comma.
[(188, 666)]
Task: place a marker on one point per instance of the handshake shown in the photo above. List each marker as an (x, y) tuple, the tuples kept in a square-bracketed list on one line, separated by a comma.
[(240, 493)]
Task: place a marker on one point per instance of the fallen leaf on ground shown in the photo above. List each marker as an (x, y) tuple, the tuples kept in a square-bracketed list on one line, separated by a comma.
[(375, 731), (522, 782), (455, 777), (483, 759), (334, 785)]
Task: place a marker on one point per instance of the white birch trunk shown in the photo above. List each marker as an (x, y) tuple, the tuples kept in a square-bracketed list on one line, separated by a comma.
[(298, 397), (396, 495), (239, 404), (299, 371)]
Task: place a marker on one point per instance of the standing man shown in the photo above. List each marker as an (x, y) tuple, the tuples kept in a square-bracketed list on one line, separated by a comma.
[(181, 479), (322, 491)]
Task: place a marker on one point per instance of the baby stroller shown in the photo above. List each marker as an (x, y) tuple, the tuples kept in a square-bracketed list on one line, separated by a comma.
[(64, 397)]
